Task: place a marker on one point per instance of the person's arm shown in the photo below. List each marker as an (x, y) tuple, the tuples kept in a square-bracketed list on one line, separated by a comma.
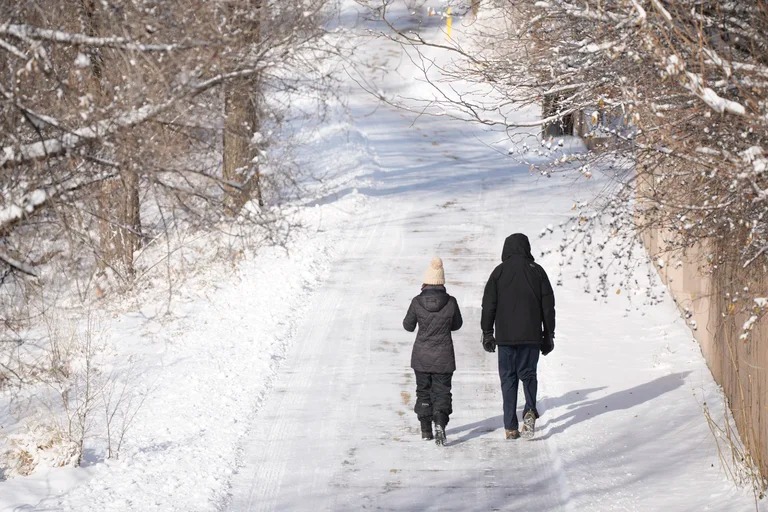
[(547, 306), (409, 322), (488, 315), (457, 321)]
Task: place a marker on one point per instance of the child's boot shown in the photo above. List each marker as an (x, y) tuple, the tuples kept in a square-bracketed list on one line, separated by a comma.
[(440, 435), (426, 429), (441, 420)]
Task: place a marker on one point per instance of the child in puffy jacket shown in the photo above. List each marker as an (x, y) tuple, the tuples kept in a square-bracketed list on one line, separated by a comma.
[(436, 314)]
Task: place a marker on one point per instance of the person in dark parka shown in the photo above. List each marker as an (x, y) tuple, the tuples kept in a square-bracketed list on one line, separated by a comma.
[(436, 314), (519, 302)]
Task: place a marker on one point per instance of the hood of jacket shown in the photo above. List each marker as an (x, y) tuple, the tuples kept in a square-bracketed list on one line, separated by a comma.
[(433, 298), (516, 244)]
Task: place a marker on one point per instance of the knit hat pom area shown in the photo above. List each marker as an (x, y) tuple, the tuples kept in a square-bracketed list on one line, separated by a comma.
[(435, 273)]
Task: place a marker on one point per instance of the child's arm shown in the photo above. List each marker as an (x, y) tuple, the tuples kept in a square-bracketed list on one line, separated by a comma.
[(409, 322), (457, 321)]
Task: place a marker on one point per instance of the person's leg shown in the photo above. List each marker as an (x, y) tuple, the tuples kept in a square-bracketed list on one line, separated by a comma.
[(528, 360), (508, 377), (442, 402), (423, 406)]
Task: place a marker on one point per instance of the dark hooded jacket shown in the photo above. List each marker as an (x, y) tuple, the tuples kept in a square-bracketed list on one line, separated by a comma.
[(518, 298), (437, 314)]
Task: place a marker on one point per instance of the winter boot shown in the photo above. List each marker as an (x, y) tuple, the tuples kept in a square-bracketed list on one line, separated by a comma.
[(441, 420), (529, 425), (511, 434), (426, 429), (439, 435)]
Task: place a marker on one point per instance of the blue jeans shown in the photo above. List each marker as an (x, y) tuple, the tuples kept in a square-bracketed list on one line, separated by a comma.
[(518, 363)]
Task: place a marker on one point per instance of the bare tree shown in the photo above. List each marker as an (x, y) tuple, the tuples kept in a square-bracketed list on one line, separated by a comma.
[(124, 121)]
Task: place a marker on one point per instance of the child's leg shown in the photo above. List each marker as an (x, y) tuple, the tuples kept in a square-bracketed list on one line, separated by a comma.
[(442, 401), (423, 407)]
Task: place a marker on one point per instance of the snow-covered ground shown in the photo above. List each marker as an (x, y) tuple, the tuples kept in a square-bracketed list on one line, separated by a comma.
[(285, 385)]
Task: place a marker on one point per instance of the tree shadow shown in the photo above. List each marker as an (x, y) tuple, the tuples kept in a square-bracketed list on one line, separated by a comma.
[(92, 457)]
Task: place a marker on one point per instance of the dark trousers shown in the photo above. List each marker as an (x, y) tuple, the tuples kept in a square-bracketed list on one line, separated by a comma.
[(433, 397), (518, 363)]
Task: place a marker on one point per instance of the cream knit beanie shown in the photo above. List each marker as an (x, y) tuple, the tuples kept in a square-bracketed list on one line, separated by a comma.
[(434, 273)]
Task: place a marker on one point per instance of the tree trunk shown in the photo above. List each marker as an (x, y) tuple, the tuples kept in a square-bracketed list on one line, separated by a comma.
[(88, 20), (551, 106), (120, 223), (119, 201), (241, 122)]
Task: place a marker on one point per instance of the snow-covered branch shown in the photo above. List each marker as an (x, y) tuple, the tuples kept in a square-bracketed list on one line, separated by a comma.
[(35, 116), (660, 8), (584, 13), (11, 156), (5, 45), (27, 32), (642, 16), (711, 98), (31, 201), (18, 265)]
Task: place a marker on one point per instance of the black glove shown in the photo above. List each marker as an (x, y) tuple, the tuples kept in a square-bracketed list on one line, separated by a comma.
[(547, 343), (489, 342)]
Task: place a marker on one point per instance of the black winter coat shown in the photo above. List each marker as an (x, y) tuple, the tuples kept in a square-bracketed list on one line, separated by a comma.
[(437, 314), (518, 298)]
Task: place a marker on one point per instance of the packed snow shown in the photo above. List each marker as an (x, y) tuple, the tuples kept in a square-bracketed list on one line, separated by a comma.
[(284, 383)]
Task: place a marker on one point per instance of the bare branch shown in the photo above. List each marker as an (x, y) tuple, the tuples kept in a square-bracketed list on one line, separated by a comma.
[(27, 32), (18, 265)]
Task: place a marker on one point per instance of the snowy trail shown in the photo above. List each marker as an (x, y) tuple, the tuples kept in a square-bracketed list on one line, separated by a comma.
[(622, 426), (338, 431)]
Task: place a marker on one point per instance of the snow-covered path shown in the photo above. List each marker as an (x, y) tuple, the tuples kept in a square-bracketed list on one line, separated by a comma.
[(338, 431), (622, 425)]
